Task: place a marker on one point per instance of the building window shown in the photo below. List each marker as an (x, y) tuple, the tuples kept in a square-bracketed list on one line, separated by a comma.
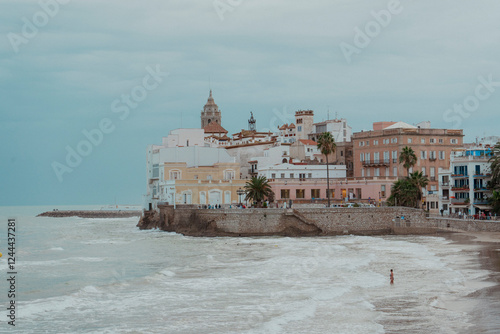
[(300, 193), (395, 171), (432, 140), (423, 171), (376, 157), (273, 175), (375, 142), (282, 175), (156, 171), (361, 157), (382, 190), (341, 153), (441, 155), (423, 155), (394, 156), (367, 143), (368, 172), (422, 140), (209, 177), (309, 175), (285, 193), (291, 175), (440, 140), (377, 172), (229, 174), (386, 141), (299, 128), (394, 140), (315, 193), (175, 174), (409, 140), (453, 141), (432, 155)]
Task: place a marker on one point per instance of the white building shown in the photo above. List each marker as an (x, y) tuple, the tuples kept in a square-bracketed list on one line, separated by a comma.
[(302, 171), (184, 138), (470, 173), (339, 129), (180, 146)]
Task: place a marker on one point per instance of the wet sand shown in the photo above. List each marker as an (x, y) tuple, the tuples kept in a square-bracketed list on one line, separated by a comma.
[(486, 313)]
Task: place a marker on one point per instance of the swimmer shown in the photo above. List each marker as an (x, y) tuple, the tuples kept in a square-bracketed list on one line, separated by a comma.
[(392, 277)]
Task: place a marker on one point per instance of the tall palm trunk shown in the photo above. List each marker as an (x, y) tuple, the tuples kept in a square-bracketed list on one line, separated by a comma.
[(327, 182)]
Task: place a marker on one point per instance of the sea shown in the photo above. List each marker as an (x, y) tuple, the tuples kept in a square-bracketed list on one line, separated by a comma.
[(76, 275)]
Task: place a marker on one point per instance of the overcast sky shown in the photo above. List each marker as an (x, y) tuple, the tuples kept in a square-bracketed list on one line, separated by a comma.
[(69, 68)]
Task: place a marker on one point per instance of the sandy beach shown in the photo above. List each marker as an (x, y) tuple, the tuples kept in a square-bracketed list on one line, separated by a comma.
[(486, 312)]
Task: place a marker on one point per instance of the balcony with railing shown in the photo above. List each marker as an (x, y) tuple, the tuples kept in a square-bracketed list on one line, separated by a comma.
[(460, 201), (460, 188), (459, 176), (375, 163), (481, 201)]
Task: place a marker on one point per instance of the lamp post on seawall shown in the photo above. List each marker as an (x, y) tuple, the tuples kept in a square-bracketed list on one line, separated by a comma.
[(379, 199), (240, 193)]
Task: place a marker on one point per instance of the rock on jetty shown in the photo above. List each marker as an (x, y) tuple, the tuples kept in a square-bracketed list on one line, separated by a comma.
[(92, 213)]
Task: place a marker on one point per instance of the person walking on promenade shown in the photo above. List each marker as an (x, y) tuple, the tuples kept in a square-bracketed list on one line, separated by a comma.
[(392, 277)]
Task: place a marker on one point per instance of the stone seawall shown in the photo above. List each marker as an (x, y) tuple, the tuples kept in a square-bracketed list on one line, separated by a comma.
[(453, 224), (286, 222), (92, 213)]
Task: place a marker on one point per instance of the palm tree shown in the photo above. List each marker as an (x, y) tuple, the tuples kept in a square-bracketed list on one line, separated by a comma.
[(419, 181), (495, 167), (494, 201), (402, 194), (257, 189), (408, 158), (326, 145)]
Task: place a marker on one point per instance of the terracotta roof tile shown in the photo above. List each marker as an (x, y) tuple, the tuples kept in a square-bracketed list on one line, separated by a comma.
[(214, 127)]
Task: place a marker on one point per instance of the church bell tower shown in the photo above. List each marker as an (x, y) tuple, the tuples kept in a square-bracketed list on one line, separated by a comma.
[(210, 112)]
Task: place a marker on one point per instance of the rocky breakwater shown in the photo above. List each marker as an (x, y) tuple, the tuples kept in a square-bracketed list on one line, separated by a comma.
[(189, 220), (92, 213)]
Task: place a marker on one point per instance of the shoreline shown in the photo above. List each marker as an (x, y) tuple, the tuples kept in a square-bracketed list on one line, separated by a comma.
[(485, 316)]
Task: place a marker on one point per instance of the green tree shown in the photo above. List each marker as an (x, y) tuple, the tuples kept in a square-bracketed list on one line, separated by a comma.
[(258, 189), (495, 167), (408, 191), (408, 158), (326, 145), (419, 181), (494, 201)]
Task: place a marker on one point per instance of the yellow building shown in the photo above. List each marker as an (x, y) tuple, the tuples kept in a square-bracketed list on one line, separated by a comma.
[(215, 184)]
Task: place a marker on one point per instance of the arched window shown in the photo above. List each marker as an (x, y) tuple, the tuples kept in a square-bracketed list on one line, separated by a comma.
[(284, 161)]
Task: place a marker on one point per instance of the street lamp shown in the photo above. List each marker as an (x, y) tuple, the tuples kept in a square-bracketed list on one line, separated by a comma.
[(240, 192)]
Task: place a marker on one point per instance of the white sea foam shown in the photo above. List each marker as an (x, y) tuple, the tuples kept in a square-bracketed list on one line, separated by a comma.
[(171, 283)]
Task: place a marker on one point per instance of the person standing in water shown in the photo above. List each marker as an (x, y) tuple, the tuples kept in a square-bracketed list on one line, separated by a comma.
[(392, 277)]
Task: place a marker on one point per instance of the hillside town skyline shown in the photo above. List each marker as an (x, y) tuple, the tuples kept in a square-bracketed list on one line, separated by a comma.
[(290, 159)]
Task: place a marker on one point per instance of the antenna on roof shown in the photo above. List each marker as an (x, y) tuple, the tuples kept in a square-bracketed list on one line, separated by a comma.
[(209, 83), (328, 113)]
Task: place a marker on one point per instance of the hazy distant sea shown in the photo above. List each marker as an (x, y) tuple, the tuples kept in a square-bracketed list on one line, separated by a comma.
[(80, 275)]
